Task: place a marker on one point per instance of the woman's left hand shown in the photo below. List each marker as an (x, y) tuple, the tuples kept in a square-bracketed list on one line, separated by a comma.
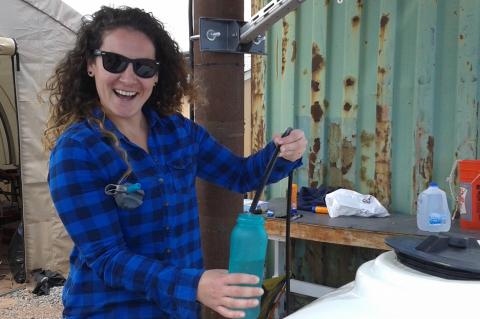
[(292, 146)]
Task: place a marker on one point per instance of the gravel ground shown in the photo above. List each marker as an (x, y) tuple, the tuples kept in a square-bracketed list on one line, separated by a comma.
[(22, 304)]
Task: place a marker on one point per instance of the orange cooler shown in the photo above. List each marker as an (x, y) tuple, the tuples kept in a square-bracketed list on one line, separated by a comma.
[(469, 176)]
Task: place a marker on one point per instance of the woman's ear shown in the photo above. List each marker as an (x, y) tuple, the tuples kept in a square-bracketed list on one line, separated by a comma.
[(91, 69)]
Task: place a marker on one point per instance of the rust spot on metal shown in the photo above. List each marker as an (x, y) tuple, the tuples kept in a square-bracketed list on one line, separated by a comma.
[(360, 3), (348, 155), (316, 112), (426, 164), (305, 71), (347, 107), (366, 139), (326, 104), (349, 82), (317, 60), (384, 21), (316, 145), (355, 21), (258, 105), (382, 155), (383, 26), (312, 158), (381, 71), (461, 37), (294, 51), (315, 86), (284, 44)]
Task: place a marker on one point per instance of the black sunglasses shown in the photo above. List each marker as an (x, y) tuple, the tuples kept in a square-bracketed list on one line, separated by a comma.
[(117, 63)]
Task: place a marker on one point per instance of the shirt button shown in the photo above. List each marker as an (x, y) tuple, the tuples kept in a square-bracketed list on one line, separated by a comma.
[(160, 180), (166, 228), (165, 204), (168, 251)]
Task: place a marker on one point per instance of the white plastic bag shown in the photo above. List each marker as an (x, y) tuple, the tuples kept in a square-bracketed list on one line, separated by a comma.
[(345, 202)]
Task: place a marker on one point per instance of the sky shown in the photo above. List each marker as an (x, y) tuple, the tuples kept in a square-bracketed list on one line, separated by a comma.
[(173, 14)]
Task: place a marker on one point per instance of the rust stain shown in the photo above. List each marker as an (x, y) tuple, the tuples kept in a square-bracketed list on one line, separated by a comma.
[(317, 60), (284, 44), (349, 82), (347, 107), (312, 159), (348, 155), (355, 21), (381, 79), (316, 145), (258, 106), (383, 156), (305, 71), (315, 86), (383, 26), (360, 3), (327, 2), (316, 111), (326, 104), (384, 21), (294, 51), (366, 139), (382, 114), (461, 37), (426, 164)]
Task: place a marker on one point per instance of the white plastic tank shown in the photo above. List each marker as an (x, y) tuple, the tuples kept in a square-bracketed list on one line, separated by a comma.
[(385, 288)]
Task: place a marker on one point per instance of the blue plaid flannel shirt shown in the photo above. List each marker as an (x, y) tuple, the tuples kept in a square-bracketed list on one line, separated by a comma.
[(146, 262)]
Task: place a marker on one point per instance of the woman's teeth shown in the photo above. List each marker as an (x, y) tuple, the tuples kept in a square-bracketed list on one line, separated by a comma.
[(125, 93)]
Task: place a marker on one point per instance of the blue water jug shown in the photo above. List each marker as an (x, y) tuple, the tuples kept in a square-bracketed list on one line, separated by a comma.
[(248, 247)]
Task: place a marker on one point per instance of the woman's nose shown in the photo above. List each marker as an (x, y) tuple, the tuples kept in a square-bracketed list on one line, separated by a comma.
[(128, 74)]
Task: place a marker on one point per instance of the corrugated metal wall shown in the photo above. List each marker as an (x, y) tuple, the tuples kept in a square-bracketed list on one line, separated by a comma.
[(386, 91)]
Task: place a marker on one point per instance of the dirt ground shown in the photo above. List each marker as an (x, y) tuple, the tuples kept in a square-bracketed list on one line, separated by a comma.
[(17, 301)]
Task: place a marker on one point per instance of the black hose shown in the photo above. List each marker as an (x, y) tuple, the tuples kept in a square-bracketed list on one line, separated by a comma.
[(266, 175)]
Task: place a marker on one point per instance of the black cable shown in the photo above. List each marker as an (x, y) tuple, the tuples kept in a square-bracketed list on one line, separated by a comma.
[(287, 244)]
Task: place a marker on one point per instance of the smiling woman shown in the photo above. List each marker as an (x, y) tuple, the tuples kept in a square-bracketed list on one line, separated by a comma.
[(122, 176)]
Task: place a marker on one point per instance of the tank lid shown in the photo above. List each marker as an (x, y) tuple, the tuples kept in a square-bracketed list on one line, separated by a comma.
[(449, 257)]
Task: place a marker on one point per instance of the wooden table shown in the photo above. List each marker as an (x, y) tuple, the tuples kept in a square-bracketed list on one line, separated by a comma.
[(351, 231)]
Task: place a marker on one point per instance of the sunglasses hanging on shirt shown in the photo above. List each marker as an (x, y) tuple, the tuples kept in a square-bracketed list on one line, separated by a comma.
[(117, 63), (127, 196)]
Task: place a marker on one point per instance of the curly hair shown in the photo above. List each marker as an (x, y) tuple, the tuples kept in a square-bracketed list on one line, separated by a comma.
[(73, 95)]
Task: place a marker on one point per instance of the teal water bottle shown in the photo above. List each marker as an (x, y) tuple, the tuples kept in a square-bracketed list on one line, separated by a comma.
[(248, 247)]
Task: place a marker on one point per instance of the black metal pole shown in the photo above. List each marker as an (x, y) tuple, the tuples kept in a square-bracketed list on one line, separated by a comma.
[(287, 245)]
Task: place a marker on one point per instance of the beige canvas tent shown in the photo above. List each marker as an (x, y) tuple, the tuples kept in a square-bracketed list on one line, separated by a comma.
[(37, 32)]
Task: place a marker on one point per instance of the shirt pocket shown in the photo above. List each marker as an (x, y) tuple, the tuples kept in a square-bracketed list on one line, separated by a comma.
[(183, 174)]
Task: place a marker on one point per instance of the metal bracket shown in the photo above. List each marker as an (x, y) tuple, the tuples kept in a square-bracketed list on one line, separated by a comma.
[(223, 35)]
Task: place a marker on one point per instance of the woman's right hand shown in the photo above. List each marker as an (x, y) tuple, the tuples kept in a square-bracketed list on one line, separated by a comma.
[(221, 291)]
